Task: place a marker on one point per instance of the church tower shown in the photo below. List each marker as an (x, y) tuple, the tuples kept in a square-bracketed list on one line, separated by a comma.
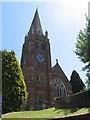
[(40, 78)]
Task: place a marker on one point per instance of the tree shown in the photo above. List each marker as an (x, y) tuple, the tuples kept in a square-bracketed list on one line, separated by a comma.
[(76, 82), (13, 86), (0, 73), (83, 48), (0, 83)]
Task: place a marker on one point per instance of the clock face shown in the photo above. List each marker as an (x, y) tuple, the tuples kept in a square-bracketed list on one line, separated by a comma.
[(40, 57)]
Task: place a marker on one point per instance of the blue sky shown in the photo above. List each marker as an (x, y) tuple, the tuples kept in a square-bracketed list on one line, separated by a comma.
[(63, 21)]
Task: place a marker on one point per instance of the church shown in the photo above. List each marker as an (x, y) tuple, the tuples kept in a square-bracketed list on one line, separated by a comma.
[(43, 82)]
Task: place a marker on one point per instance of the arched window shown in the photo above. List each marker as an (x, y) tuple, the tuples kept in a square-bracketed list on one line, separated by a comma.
[(59, 88), (24, 60)]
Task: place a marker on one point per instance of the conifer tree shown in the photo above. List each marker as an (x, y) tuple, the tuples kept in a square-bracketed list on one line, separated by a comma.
[(13, 86), (76, 82)]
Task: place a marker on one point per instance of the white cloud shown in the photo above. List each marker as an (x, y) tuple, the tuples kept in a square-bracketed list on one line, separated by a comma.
[(70, 9)]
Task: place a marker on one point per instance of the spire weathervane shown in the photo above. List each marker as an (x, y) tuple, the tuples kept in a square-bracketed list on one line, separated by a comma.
[(37, 7)]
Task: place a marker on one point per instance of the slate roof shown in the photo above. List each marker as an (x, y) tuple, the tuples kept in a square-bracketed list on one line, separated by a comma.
[(57, 66), (36, 24)]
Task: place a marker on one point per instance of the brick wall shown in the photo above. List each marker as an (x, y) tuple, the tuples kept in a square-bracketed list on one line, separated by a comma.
[(78, 101)]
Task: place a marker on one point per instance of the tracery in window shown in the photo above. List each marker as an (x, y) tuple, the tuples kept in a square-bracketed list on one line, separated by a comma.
[(59, 88)]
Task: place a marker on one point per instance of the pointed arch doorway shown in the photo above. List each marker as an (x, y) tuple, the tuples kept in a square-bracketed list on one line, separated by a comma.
[(40, 103)]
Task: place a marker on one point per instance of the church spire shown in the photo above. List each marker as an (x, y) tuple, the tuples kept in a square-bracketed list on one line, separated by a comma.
[(36, 24)]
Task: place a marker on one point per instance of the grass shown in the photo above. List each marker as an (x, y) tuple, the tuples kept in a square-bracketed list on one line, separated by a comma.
[(47, 113)]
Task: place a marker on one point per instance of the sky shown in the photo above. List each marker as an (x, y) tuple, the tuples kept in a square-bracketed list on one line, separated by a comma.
[(62, 19)]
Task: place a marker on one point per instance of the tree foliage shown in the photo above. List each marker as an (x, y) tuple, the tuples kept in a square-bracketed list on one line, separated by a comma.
[(13, 86), (83, 48), (0, 73), (76, 82)]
